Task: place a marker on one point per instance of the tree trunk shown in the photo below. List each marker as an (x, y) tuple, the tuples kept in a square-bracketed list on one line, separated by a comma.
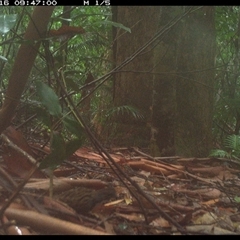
[(172, 82), (133, 85), (194, 84), (163, 114), (24, 61)]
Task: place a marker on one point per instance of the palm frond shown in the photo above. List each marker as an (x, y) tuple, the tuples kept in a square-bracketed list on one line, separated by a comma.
[(125, 109)]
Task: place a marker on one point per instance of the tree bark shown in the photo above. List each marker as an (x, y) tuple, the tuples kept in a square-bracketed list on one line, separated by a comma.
[(133, 84), (194, 84)]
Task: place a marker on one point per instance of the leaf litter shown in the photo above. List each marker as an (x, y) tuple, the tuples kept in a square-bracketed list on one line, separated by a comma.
[(200, 194)]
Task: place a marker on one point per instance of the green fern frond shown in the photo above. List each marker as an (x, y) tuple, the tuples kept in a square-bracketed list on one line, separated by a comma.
[(233, 143), (220, 153)]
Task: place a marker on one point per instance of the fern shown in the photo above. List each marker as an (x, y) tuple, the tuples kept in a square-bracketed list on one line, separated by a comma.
[(125, 109), (219, 153), (108, 116), (232, 142), (232, 145)]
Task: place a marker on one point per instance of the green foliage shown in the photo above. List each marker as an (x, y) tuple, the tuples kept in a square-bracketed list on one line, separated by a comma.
[(66, 61), (42, 115), (73, 127), (58, 152), (7, 23), (232, 145), (49, 99), (220, 153), (13, 24), (227, 87), (80, 54), (237, 199)]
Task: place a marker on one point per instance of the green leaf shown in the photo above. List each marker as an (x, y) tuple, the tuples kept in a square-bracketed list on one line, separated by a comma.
[(7, 22), (237, 199), (115, 24), (43, 116), (58, 152), (49, 99), (72, 146), (73, 127)]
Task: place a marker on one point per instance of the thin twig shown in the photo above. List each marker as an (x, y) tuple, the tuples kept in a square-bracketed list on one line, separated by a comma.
[(22, 184)]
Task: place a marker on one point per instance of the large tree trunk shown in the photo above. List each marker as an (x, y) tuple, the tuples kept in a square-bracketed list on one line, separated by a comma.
[(171, 83), (194, 84), (133, 85), (24, 61)]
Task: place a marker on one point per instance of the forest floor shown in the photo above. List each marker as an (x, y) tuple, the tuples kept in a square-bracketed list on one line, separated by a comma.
[(174, 196)]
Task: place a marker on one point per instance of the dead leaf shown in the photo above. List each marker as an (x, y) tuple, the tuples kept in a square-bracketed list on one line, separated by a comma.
[(65, 32), (132, 217), (210, 230), (160, 222), (207, 218)]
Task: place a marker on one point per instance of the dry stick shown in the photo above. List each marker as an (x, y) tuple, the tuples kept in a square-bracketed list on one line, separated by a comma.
[(25, 154), (8, 181), (46, 223), (10, 185), (21, 185), (154, 158), (15, 194)]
